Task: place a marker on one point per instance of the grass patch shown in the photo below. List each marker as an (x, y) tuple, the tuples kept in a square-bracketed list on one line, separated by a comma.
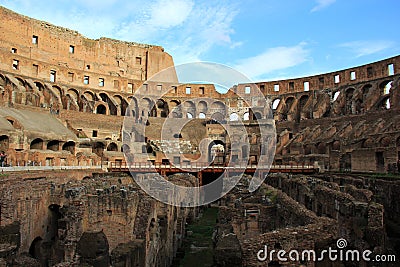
[(199, 247)]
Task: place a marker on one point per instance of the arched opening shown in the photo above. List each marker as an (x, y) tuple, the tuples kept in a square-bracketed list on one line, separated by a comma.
[(69, 146), (189, 107), (368, 143), (385, 141), (101, 109), (98, 148), (36, 144), (335, 96), (336, 145), (365, 91), (189, 115), (112, 147), (246, 116), (234, 117), (111, 106), (53, 145), (89, 95), (125, 148), (349, 101), (4, 143), (218, 107), (20, 81), (257, 116), (73, 93), (34, 249), (385, 87), (275, 104), (58, 91), (202, 107), (218, 117), (385, 102), (216, 152), (305, 114), (162, 108), (321, 148), (202, 115), (52, 228), (153, 112), (307, 149), (122, 104), (175, 107), (288, 106)]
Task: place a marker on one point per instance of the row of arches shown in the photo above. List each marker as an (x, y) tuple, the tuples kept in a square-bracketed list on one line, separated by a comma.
[(55, 97), (359, 99), (56, 145)]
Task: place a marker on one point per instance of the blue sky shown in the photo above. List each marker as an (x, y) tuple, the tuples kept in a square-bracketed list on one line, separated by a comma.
[(265, 39)]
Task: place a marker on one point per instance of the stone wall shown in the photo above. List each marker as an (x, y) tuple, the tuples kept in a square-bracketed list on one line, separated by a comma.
[(73, 56), (99, 220)]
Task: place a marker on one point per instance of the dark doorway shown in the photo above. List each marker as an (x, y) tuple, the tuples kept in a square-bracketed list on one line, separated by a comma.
[(345, 162), (380, 162), (34, 249)]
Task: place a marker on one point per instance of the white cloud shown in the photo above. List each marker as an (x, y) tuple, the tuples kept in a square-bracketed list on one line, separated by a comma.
[(273, 59), (209, 25), (364, 48), (321, 4), (170, 13)]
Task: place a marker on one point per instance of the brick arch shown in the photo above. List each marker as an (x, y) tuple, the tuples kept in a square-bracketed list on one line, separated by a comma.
[(58, 90), (368, 143), (133, 108), (147, 108), (189, 107), (304, 109), (112, 147), (175, 108), (112, 105), (39, 86), (386, 86), (2, 80), (101, 108), (275, 103), (89, 95), (348, 103), (36, 143), (202, 107), (122, 104), (218, 109), (162, 108), (385, 141), (21, 81), (385, 102), (287, 106), (73, 93)]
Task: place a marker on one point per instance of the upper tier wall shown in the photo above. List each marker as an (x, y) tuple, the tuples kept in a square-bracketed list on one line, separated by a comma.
[(377, 70), (35, 48), (117, 66)]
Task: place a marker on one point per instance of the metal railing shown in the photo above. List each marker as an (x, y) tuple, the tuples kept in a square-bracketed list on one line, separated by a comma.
[(198, 166)]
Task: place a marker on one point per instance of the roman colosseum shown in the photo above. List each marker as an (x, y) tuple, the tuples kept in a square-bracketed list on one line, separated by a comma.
[(67, 198)]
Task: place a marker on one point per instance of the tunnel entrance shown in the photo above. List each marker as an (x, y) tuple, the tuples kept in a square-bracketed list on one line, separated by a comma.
[(214, 184), (52, 227), (34, 249), (44, 248)]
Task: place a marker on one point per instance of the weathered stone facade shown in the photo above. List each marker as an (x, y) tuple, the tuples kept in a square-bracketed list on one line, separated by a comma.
[(63, 101), (100, 220)]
